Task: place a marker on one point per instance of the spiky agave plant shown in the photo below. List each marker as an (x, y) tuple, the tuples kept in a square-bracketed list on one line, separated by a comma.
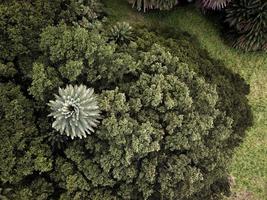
[(248, 22), (214, 4), (153, 4), (121, 33), (75, 111)]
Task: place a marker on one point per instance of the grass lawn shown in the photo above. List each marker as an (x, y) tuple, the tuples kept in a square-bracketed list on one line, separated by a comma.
[(249, 166)]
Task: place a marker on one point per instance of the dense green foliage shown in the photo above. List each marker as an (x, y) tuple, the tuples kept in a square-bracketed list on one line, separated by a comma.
[(171, 116), (248, 166), (248, 22)]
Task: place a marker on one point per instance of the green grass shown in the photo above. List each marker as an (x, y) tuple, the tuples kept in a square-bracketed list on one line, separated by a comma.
[(249, 166)]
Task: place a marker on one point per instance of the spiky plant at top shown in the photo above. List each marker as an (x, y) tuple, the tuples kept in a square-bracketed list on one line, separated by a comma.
[(248, 22), (214, 4), (75, 111), (153, 4), (121, 33)]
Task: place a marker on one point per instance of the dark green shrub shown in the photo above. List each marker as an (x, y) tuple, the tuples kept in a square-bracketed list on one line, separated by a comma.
[(21, 152), (155, 110), (79, 12), (247, 20), (21, 23), (20, 26), (214, 72)]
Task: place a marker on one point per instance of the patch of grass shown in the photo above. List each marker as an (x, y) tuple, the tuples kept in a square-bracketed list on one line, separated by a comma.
[(242, 195), (249, 166)]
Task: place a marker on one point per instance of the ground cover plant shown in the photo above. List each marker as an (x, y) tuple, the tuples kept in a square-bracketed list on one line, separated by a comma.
[(169, 116), (248, 167)]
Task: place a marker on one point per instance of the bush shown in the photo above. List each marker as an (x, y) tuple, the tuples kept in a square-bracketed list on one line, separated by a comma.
[(21, 23), (247, 21), (149, 97), (170, 118)]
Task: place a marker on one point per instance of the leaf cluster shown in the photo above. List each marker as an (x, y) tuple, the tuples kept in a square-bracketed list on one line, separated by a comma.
[(153, 4), (247, 20), (214, 4)]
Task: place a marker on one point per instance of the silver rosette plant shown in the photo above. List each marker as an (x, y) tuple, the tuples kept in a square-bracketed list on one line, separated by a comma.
[(75, 111)]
